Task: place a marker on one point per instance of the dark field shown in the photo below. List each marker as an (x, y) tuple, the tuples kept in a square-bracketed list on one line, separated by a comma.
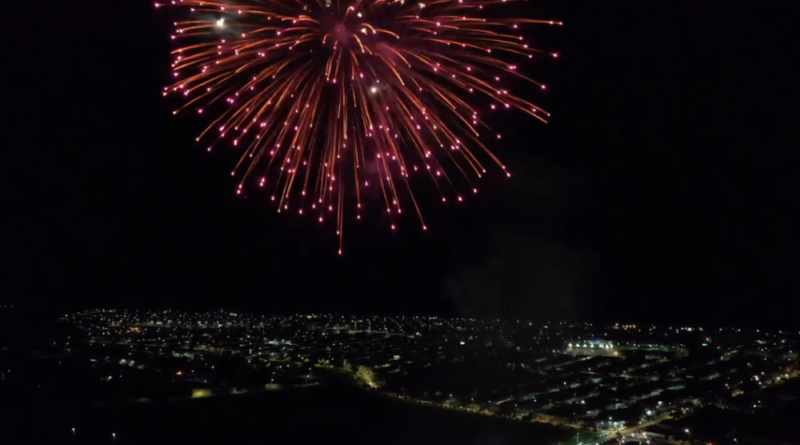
[(333, 414)]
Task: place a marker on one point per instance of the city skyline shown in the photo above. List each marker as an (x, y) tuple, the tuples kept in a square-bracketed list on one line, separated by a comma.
[(642, 383)]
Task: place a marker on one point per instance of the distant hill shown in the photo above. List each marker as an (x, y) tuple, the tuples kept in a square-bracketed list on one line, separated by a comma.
[(26, 328)]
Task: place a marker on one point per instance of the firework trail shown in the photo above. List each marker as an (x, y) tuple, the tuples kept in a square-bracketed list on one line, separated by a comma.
[(334, 101)]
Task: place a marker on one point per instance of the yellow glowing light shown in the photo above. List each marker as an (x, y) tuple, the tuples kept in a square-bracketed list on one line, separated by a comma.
[(200, 393)]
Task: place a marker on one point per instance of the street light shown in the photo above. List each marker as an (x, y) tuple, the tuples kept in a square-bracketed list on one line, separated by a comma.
[(73, 432), (689, 433), (114, 437)]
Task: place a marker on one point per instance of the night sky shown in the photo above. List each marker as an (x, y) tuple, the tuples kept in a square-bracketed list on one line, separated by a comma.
[(664, 189)]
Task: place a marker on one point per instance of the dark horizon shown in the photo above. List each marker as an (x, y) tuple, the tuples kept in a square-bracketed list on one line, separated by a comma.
[(661, 191)]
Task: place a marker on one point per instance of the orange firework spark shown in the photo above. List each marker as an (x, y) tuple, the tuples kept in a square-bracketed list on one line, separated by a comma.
[(328, 100)]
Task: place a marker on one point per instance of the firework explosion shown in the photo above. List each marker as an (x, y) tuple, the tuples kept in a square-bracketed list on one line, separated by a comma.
[(332, 102)]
